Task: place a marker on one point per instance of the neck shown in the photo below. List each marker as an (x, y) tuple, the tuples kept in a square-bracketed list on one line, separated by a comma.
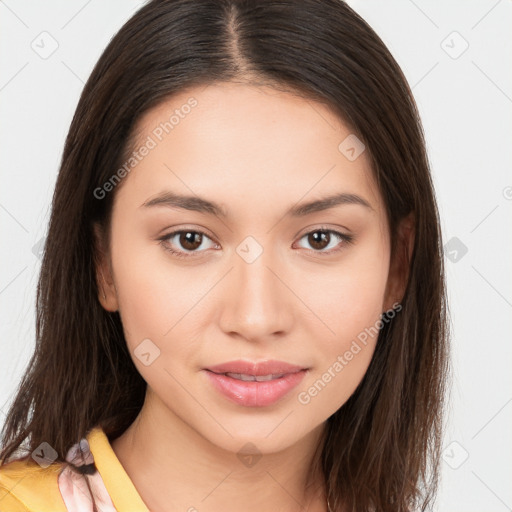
[(174, 467)]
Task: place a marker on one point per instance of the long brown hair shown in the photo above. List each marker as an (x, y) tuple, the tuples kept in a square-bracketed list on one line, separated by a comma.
[(382, 447)]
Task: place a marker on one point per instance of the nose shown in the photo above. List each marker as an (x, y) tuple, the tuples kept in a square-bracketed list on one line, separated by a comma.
[(257, 303)]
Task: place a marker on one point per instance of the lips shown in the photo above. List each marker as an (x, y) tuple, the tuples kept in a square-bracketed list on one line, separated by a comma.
[(253, 384)]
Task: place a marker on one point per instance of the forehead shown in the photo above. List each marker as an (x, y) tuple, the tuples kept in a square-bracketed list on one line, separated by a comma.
[(247, 146)]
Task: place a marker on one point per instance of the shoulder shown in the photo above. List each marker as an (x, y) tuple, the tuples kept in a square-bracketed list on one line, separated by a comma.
[(25, 486)]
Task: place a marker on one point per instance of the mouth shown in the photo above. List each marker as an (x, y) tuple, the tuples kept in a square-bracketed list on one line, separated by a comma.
[(255, 390), (246, 370), (252, 378)]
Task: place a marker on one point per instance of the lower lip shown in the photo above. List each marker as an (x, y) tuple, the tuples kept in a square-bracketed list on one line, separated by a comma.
[(253, 393)]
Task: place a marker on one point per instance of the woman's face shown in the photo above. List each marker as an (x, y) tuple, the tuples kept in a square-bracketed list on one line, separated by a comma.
[(270, 279)]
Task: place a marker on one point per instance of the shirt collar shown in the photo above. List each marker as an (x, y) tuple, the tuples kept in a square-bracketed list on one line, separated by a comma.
[(119, 485)]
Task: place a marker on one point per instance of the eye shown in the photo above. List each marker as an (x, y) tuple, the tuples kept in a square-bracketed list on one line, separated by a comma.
[(189, 239), (192, 240), (320, 239)]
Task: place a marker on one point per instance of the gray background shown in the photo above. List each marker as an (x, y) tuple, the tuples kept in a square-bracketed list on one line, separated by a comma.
[(465, 100)]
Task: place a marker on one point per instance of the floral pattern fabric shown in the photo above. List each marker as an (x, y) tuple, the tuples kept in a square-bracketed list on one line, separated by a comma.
[(80, 483)]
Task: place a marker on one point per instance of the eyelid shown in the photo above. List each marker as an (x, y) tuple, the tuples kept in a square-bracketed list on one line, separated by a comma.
[(324, 227)]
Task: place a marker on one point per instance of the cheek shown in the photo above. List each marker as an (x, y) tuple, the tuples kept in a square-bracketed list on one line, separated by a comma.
[(343, 356), (349, 304), (349, 297), (157, 301)]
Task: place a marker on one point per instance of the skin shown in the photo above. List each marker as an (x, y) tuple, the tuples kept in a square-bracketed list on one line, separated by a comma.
[(256, 152)]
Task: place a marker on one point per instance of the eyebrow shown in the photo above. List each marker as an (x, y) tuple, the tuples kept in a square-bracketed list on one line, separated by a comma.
[(198, 204)]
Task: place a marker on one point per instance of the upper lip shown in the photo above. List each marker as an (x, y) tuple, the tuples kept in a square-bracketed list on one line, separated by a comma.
[(268, 367)]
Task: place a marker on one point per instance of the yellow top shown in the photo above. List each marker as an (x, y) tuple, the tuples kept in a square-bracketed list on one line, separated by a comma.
[(27, 486)]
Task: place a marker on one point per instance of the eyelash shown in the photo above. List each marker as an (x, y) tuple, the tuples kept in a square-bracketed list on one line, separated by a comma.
[(348, 239)]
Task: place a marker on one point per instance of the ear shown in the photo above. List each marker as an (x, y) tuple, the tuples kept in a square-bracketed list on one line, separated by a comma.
[(399, 266), (107, 293)]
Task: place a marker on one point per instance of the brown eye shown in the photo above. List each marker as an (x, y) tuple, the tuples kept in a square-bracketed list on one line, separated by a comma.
[(320, 239), (185, 242)]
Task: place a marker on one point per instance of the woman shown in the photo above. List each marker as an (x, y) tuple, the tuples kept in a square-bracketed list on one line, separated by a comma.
[(242, 301)]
